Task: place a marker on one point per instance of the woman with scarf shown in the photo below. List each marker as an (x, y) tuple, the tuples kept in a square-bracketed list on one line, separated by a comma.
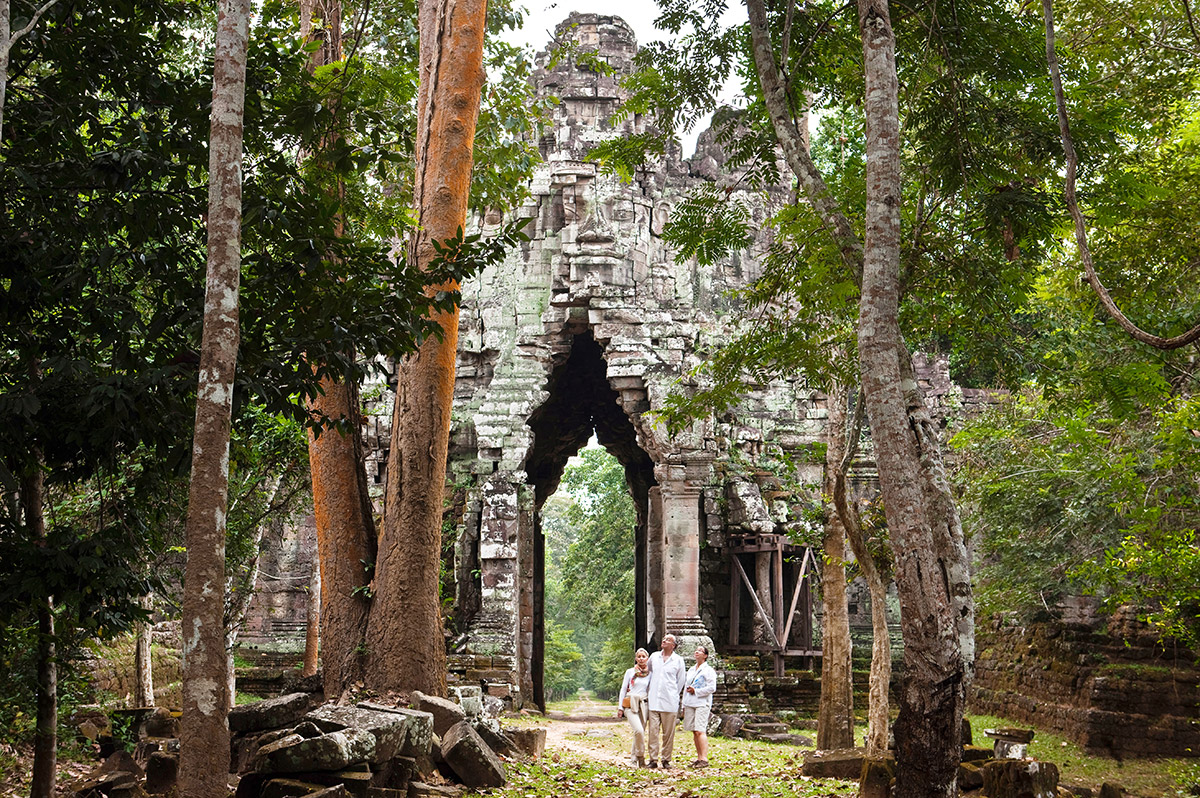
[(633, 706)]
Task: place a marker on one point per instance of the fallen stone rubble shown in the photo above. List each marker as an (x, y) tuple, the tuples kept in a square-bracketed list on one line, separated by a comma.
[(294, 746)]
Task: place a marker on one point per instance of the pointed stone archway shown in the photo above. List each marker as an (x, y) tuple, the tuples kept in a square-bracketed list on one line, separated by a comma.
[(580, 403)]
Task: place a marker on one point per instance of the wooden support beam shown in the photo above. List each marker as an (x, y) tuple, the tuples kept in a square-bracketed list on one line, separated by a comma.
[(787, 631), (735, 603), (757, 604)]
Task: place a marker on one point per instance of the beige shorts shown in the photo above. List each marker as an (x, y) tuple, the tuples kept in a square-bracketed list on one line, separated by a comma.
[(695, 719)]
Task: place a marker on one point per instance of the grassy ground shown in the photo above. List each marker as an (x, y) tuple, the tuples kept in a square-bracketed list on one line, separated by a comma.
[(594, 763), (738, 769)]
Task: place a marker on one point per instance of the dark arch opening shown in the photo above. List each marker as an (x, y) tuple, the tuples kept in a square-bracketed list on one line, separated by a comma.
[(581, 403)]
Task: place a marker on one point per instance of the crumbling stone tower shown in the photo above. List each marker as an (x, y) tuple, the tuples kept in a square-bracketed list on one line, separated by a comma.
[(586, 329)]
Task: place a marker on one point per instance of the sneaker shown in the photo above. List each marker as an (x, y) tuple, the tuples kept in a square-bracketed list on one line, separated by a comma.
[(653, 764), (700, 764)]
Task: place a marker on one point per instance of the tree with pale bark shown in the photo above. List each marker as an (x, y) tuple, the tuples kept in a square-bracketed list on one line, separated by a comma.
[(204, 731)]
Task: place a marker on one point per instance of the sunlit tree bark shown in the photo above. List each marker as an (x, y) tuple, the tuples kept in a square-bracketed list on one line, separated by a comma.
[(405, 642), (204, 736)]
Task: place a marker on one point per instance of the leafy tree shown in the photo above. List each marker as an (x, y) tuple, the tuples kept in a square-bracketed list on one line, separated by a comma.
[(563, 661), (103, 239)]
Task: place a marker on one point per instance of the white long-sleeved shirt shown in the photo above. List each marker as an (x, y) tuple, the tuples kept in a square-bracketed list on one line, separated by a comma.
[(632, 684), (704, 679), (666, 681)]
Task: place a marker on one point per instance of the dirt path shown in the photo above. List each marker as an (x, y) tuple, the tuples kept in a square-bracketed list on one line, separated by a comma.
[(574, 733)]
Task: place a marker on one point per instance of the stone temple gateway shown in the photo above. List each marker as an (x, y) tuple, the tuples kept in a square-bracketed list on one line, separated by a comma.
[(587, 328)]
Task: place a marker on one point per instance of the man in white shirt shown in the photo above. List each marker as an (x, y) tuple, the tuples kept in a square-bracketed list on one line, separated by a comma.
[(701, 681), (667, 673)]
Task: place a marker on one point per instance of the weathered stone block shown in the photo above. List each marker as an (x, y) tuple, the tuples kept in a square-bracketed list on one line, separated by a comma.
[(1012, 778), (162, 772), (970, 776), (421, 790), (289, 788), (529, 742), (472, 760), (270, 713), (875, 779), (398, 731), (333, 751), (445, 713), (839, 763)]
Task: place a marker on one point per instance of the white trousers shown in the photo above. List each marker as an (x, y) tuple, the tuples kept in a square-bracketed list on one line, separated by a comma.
[(636, 714)]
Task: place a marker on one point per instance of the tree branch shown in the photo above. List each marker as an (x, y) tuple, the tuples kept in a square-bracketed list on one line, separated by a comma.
[(791, 141), (1085, 253)]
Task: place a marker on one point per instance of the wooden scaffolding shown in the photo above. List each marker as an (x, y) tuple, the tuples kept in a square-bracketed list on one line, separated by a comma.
[(792, 567)]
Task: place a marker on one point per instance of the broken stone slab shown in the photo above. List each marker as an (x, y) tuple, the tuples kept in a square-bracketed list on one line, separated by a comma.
[(398, 731), (396, 773), (117, 784), (731, 725), (836, 763), (270, 713), (1010, 743), (334, 751), (494, 736), (976, 753), (470, 698), (970, 776), (475, 764), (444, 711), (162, 772), (529, 742), (1012, 778), (336, 791), (161, 723), (289, 788)]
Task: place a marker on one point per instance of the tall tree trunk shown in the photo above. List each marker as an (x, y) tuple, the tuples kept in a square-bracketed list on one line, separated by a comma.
[(312, 622), (932, 569), (204, 737), (143, 689), (45, 735), (835, 717), (345, 538), (881, 648), (341, 505), (407, 650), (923, 525)]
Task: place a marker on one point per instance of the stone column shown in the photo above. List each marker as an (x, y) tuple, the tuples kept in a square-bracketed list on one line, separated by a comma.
[(496, 633), (681, 563), (655, 594)]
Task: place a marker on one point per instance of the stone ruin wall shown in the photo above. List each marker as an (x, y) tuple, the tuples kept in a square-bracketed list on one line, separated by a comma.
[(1111, 685)]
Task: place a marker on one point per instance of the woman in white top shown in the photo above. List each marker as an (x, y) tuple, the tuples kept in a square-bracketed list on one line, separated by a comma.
[(701, 683), (634, 687)]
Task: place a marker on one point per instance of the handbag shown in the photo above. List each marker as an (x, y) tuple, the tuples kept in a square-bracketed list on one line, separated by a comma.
[(625, 703)]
